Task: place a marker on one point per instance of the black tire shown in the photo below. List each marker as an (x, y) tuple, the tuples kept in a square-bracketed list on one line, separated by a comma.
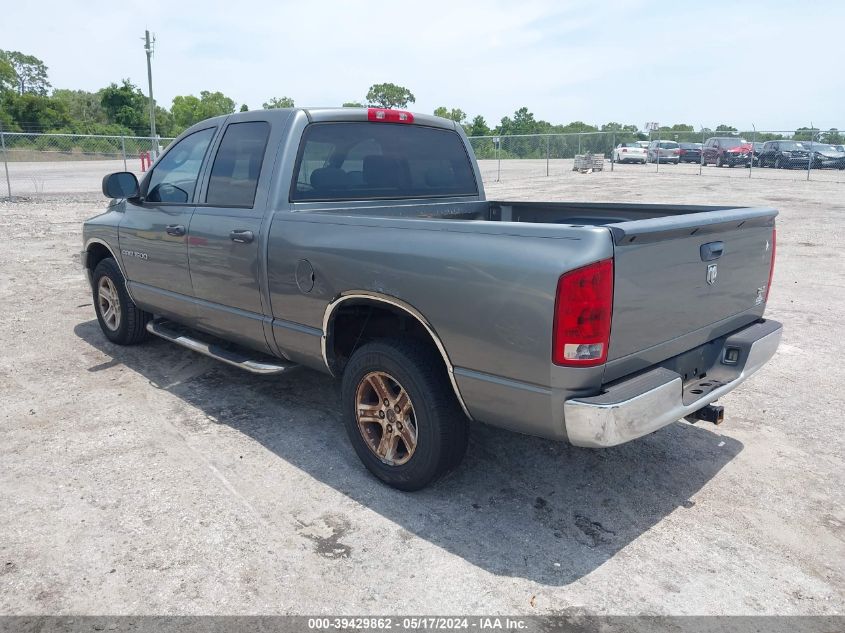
[(131, 326), (719, 161), (778, 163), (442, 429)]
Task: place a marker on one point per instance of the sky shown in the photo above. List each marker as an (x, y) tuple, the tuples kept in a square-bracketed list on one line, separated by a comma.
[(772, 64)]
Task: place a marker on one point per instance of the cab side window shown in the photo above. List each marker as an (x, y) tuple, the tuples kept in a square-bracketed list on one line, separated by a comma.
[(174, 178), (237, 166)]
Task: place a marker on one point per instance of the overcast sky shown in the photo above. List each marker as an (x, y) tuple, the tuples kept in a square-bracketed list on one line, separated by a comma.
[(775, 64)]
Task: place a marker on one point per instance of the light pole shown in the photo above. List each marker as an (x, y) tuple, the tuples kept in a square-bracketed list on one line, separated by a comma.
[(148, 48)]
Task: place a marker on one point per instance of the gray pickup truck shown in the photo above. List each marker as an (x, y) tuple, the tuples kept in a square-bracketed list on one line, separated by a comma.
[(359, 242)]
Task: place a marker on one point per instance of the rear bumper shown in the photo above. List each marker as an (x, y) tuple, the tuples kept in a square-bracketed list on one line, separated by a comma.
[(828, 163), (636, 158), (638, 406)]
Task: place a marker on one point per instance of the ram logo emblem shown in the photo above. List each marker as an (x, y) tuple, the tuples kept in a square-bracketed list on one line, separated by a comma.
[(711, 274)]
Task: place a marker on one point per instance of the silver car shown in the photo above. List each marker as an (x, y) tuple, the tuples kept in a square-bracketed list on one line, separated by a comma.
[(666, 151)]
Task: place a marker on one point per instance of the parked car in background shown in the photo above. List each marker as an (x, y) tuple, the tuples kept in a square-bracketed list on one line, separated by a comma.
[(690, 153), (643, 144), (629, 153), (827, 156), (784, 154), (756, 148), (726, 150), (666, 151)]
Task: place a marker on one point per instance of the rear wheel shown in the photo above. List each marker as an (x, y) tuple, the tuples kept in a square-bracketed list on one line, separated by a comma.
[(120, 319), (401, 414)]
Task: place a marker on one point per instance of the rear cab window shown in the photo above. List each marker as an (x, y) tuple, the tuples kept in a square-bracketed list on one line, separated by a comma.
[(237, 165), (377, 161)]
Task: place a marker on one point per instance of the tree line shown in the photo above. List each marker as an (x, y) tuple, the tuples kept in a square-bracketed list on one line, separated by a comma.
[(28, 103)]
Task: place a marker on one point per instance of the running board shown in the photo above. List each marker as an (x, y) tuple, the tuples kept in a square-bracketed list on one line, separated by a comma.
[(178, 334)]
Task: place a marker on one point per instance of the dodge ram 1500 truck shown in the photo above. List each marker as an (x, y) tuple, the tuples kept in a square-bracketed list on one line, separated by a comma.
[(359, 242)]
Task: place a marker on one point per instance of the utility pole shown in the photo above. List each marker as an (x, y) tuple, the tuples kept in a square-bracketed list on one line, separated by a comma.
[(148, 47)]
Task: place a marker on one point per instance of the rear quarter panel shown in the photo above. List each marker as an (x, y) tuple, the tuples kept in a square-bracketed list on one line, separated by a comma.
[(487, 289)]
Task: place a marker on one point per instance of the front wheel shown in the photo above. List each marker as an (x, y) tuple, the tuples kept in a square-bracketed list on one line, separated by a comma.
[(719, 162), (401, 414), (778, 163), (120, 319)]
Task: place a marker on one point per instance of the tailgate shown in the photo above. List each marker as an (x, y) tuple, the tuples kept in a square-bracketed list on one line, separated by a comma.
[(682, 280)]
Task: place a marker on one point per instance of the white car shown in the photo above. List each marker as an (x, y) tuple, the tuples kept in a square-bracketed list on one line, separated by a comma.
[(630, 153)]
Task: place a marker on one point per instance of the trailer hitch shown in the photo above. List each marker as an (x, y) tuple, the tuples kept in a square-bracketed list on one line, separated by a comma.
[(710, 413)]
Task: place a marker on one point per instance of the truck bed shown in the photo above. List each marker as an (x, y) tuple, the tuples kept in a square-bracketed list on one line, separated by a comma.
[(664, 302)]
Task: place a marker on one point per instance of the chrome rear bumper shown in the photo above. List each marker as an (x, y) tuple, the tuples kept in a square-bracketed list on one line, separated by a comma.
[(638, 406)]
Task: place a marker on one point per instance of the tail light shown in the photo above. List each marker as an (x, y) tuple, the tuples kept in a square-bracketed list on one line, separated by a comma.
[(389, 116), (677, 152), (583, 308), (624, 150), (772, 265)]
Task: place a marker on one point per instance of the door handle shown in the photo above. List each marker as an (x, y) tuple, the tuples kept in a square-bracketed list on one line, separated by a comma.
[(711, 251), (175, 229), (241, 237)]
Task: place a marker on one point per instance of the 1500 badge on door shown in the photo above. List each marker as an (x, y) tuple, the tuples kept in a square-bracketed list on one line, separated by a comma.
[(137, 254)]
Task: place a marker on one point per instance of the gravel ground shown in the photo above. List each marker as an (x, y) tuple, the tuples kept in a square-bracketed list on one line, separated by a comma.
[(150, 480)]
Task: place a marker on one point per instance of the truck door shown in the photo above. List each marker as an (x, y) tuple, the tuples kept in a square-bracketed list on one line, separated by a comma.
[(153, 231), (225, 235)]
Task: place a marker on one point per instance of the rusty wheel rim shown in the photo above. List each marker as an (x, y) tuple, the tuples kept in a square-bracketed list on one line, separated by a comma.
[(386, 418)]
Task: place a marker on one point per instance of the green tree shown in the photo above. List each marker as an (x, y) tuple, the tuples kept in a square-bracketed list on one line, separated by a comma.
[(622, 133), (188, 109), (244, 107), (30, 72), (726, 129), (681, 132), (83, 107), (34, 113), (522, 123), (353, 104), (8, 77), (619, 127), (833, 136), (478, 127), (165, 125), (577, 127), (455, 114), (389, 96), (278, 102), (126, 105), (806, 134)]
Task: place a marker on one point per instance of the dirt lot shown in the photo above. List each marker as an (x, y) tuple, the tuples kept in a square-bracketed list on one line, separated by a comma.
[(151, 480)]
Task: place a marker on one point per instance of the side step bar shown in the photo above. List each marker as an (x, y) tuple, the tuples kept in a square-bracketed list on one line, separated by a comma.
[(176, 333)]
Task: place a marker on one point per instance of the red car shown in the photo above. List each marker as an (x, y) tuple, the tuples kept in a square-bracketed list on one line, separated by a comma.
[(727, 150)]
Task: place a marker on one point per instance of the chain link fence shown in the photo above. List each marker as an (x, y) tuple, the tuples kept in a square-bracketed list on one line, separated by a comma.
[(57, 164), (809, 154)]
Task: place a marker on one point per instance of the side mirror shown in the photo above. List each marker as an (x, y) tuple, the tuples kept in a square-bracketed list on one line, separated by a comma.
[(121, 184)]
